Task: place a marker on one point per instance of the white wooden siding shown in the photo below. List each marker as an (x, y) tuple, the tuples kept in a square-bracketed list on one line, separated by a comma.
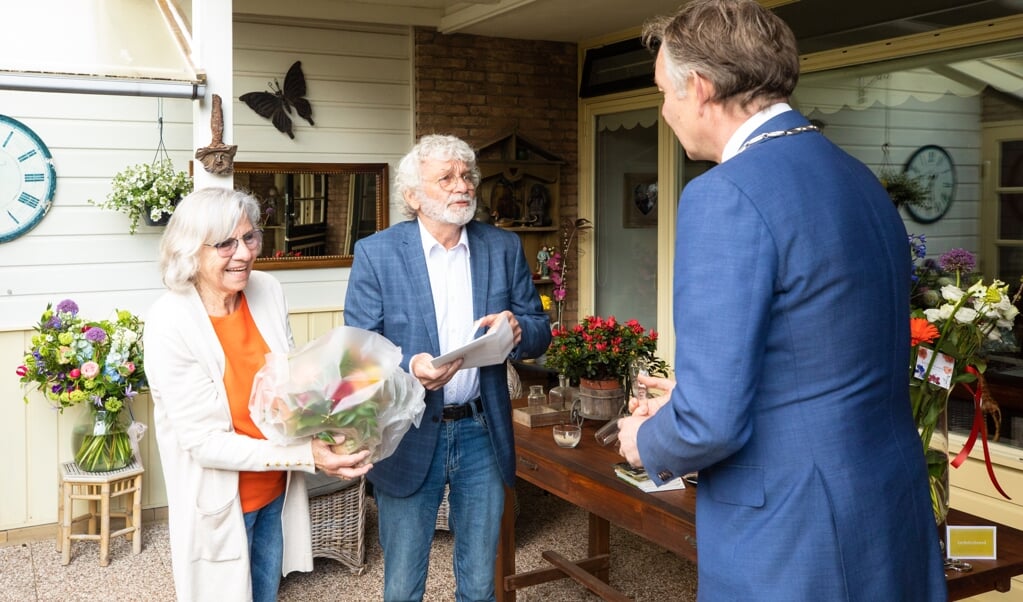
[(359, 82), (946, 120)]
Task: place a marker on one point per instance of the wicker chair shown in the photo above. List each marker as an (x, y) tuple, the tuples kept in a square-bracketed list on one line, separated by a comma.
[(442, 512), (337, 513)]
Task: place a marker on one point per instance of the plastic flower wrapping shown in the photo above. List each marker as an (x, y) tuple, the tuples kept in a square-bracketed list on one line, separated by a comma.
[(347, 383)]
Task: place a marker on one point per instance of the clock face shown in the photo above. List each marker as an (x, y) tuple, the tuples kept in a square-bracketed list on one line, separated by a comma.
[(27, 179), (931, 166)]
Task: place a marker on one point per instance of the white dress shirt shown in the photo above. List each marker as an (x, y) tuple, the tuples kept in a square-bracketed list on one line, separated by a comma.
[(451, 283)]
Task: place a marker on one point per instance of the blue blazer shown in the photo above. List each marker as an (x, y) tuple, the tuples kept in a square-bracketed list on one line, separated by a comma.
[(389, 292), (791, 283)]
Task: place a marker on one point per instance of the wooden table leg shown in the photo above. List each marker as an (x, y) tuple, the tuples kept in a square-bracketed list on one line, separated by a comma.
[(506, 549), (600, 543)]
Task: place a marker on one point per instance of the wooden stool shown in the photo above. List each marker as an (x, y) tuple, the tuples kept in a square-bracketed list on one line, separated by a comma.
[(98, 488)]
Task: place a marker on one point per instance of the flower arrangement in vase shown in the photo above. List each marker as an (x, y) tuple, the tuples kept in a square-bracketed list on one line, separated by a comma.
[(75, 361), (147, 191), (952, 330)]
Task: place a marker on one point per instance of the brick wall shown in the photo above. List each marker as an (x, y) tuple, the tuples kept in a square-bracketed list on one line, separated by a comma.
[(480, 89)]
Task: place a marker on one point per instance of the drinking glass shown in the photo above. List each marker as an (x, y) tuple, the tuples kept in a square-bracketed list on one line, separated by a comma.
[(638, 367)]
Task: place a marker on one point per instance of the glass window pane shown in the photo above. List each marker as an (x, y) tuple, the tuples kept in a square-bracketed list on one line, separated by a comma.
[(1010, 264), (625, 222), (1011, 169), (1010, 216)]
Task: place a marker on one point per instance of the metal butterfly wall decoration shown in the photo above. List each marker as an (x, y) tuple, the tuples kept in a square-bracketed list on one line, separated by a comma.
[(276, 105)]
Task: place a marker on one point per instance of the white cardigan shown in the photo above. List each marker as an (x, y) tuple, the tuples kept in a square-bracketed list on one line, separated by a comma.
[(201, 453)]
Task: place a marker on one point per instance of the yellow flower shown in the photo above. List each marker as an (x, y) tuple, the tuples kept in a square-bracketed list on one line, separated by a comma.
[(545, 300)]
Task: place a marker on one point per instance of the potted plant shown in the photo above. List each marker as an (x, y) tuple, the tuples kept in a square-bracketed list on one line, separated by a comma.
[(597, 353), (148, 191), (903, 189)]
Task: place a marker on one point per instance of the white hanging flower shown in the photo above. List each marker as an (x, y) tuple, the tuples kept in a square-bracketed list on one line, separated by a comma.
[(153, 188)]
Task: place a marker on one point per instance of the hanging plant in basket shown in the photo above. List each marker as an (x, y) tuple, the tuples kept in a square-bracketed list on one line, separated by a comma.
[(903, 189), (149, 191)]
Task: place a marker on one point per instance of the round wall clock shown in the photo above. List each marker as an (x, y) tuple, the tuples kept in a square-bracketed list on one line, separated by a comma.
[(932, 167), (27, 179)]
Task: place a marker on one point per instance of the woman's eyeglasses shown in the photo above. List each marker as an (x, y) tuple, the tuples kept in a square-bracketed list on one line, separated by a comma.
[(226, 248)]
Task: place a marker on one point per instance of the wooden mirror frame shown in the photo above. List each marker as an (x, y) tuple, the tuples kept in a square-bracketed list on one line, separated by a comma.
[(320, 261)]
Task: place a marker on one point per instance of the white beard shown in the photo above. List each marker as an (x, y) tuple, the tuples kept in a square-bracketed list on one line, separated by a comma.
[(442, 212)]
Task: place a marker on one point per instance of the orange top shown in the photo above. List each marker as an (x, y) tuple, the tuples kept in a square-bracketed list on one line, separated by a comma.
[(244, 355)]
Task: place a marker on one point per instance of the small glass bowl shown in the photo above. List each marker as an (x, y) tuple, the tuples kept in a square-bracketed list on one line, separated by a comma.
[(567, 435)]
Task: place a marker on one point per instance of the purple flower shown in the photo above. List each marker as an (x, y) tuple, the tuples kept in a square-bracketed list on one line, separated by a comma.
[(67, 306), (96, 335), (958, 261)]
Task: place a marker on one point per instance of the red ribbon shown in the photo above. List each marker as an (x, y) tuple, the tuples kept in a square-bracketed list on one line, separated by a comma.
[(979, 428)]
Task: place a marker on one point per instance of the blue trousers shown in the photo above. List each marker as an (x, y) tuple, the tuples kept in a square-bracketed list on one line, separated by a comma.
[(464, 459), (266, 549)]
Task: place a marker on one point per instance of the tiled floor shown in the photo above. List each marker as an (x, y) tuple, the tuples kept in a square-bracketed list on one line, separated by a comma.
[(31, 571)]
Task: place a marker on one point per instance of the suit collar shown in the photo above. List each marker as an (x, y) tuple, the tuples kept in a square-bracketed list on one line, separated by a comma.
[(419, 280)]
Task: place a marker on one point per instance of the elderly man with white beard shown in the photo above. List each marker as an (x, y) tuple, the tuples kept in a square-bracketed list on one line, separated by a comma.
[(428, 284)]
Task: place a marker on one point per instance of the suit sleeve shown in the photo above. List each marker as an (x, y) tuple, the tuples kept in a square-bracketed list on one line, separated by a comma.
[(725, 262), (526, 306)]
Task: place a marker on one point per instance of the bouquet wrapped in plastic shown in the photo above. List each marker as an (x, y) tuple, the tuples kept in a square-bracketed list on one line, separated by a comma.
[(347, 382)]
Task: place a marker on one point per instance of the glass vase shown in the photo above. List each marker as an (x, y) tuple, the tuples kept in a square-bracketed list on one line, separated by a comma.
[(101, 442), (930, 406), (536, 396), (562, 396)]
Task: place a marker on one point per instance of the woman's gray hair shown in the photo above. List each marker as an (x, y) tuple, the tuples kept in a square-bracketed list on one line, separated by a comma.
[(433, 146), (747, 52), (206, 216)]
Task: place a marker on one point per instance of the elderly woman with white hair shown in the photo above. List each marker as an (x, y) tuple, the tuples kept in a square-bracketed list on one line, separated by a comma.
[(237, 503)]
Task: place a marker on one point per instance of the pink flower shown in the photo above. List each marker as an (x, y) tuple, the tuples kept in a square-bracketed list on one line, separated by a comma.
[(90, 369), (74, 373), (22, 370)]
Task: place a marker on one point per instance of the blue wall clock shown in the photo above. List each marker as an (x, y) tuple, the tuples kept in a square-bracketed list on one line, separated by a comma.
[(27, 179)]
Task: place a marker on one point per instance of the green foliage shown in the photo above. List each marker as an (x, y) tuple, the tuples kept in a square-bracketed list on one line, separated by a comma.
[(153, 189)]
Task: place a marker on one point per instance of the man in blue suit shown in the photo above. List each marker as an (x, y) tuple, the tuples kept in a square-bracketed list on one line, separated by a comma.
[(791, 284), (427, 284)]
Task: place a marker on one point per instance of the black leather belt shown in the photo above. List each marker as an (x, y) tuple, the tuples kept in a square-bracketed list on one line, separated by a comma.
[(462, 410)]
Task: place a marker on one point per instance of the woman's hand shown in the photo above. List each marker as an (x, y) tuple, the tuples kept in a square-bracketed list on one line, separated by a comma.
[(344, 466)]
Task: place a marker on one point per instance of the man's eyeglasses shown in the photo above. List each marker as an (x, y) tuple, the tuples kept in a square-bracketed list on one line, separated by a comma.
[(226, 248), (448, 182)]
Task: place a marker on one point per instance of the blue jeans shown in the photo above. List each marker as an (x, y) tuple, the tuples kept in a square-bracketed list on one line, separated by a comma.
[(464, 459), (266, 549)]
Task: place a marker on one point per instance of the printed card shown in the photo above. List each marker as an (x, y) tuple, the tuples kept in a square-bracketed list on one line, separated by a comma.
[(941, 371), (972, 542)]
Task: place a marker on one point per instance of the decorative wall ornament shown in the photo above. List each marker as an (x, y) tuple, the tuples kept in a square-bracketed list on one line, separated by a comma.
[(217, 158), (276, 105)]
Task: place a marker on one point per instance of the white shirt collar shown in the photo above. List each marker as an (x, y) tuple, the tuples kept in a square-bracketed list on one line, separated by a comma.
[(429, 242), (755, 121)]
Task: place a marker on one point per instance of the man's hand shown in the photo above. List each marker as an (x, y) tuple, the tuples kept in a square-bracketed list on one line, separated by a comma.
[(641, 410), (649, 405), (628, 428), (432, 378), (513, 322)]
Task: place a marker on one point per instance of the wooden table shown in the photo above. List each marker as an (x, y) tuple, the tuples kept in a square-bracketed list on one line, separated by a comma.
[(584, 477)]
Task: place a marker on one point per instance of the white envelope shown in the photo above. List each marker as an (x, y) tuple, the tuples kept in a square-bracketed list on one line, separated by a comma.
[(491, 348)]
